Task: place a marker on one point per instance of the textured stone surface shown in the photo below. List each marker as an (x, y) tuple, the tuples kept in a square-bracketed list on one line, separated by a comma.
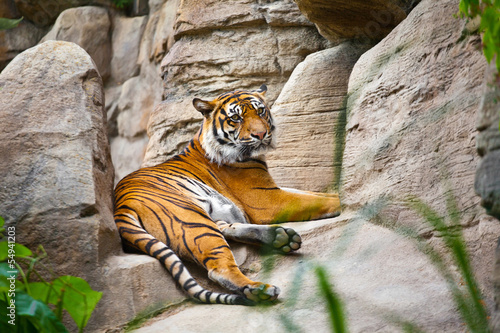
[(310, 120), (130, 100), (88, 27), (377, 273), (57, 179), (487, 183), (222, 46), (340, 19), (488, 143), (127, 34), (412, 105), (18, 39), (51, 147)]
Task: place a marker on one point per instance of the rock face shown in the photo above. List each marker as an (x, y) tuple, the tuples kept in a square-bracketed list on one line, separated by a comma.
[(310, 120), (55, 168), (487, 183), (368, 265), (222, 46), (410, 127), (89, 27), (57, 180), (340, 19)]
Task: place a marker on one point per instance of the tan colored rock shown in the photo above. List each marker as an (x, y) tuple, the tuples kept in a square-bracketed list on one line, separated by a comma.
[(132, 102), (340, 19), (221, 46), (56, 171), (126, 39), (88, 27), (412, 103), (377, 273), (310, 120), (57, 181)]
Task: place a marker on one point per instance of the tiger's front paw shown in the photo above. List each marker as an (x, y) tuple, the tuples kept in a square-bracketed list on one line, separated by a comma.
[(286, 240), (259, 292)]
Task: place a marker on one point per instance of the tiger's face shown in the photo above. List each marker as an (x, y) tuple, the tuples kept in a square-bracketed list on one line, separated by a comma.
[(237, 126)]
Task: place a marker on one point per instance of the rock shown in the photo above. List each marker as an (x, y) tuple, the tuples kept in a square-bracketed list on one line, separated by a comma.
[(18, 39), (130, 104), (56, 172), (380, 276), (127, 34), (409, 128), (57, 181), (488, 143), (44, 13), (487, 183), (310, 120), (222, 46), (340, 19), (88, 27)]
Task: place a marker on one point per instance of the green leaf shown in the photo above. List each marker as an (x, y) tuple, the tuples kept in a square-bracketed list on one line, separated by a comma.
[(8, 23), (37, 313), (334, 304), (70, 293), (19, 251)]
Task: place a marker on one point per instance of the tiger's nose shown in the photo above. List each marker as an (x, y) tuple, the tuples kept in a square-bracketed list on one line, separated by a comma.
[(259, 135)]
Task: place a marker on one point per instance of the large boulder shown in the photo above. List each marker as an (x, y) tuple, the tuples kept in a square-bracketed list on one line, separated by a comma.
[(310, 120), (412, 103), (222, 46), (57, 181), (382, 278), (56, 168), (89, 27)]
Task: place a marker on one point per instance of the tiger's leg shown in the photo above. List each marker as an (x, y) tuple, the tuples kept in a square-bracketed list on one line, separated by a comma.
[(213, 252), (285, 240)]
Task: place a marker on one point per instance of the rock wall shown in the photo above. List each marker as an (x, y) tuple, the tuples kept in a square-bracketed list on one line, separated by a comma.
[(487, 182), (310, 120), (412, 103)]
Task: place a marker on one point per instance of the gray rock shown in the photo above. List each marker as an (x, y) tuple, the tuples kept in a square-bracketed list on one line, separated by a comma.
[(369, 267), (412, 104), (310, 120), (88, 27)]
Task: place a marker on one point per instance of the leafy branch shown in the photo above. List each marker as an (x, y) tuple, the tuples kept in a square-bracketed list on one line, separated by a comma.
[(489, 12)]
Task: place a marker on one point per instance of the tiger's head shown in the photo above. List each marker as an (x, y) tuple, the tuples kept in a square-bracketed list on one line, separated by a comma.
[(237, 126)]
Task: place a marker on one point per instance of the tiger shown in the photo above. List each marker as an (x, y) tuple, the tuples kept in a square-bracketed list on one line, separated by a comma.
[(217, 189)]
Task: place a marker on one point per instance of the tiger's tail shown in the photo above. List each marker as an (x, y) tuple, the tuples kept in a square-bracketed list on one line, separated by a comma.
[(135, 235)]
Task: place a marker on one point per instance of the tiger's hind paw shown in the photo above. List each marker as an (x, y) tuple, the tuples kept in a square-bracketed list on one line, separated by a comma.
[(261, 292), (286, 240)]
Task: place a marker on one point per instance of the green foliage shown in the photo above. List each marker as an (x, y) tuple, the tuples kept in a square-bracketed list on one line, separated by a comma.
[(121, 4), (8, 23), (489, 12), (468, 301), (333, 302), (39, 305)]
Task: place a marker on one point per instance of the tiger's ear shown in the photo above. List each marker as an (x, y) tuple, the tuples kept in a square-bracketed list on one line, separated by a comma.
[(262, 90), (205, 107)]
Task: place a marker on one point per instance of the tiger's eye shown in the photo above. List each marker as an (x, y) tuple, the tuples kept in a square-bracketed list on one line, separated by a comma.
[(235, 117), (261, 111)]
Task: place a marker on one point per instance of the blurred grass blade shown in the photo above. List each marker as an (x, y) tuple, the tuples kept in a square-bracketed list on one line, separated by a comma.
[(333, 302)]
